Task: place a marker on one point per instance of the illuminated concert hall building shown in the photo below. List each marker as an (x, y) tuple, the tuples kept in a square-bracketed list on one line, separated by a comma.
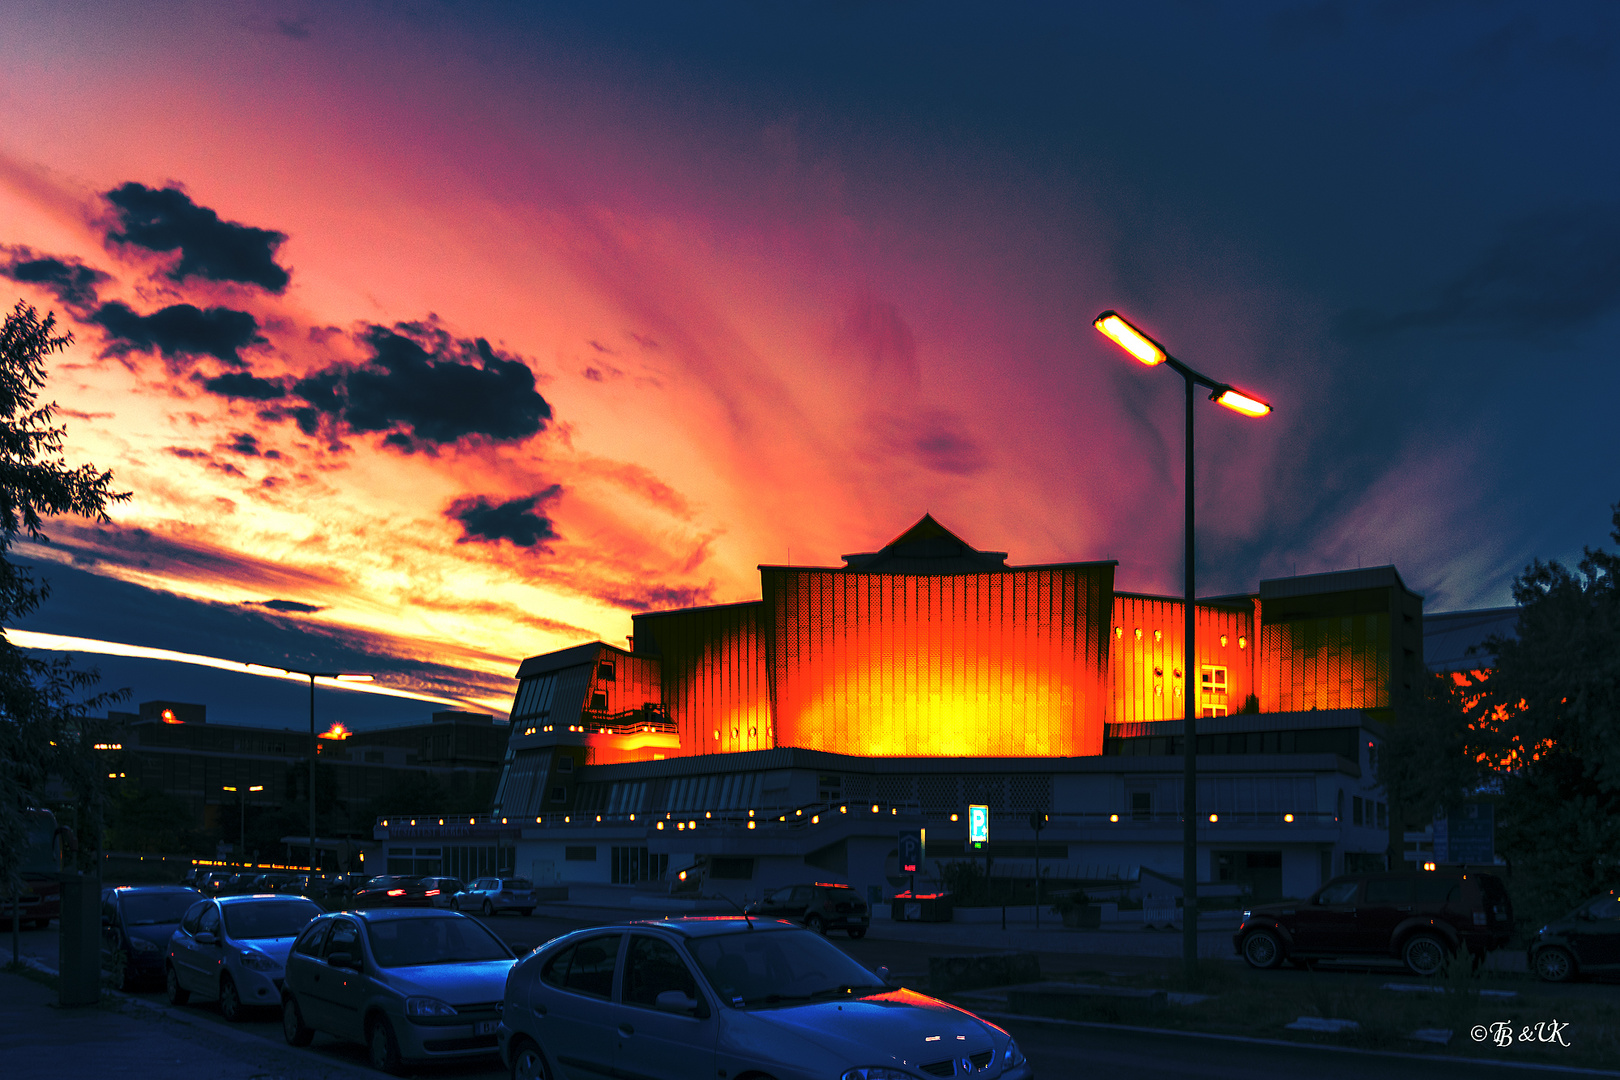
[(798, 735)]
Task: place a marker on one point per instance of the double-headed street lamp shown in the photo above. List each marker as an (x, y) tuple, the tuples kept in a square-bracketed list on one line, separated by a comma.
[(340, 676), (1151, 353), (241, 836)]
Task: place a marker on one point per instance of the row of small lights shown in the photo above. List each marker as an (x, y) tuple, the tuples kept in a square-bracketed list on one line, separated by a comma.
[(815, 819), (1158, 635)]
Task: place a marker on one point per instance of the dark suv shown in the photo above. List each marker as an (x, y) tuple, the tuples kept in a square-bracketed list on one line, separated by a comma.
[(1419, 917), (1585, 941), (821, 907)]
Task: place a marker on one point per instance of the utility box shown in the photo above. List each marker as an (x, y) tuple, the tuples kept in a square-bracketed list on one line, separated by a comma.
[(79, 983)]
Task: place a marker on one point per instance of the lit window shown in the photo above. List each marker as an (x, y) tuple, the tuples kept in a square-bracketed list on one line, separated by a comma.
[(1213, 679)]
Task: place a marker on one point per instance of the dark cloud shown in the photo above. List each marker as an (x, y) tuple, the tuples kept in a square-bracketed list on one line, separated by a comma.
[(644, 341), (210, 249), (243, 384), (515, 521), (1554, 270), (285, 606), (660, 596), (247, 445), (601, 348), (189, 454), (297, 29), (423, 386), (72, 282), (179, 331)]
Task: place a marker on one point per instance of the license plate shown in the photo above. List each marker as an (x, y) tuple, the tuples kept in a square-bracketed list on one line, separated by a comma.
[(485, 1027)]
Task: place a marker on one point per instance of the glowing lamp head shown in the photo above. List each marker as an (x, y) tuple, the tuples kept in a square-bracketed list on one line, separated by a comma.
[(1130, 338), (336, 731), (170, 718), (1240, 402)]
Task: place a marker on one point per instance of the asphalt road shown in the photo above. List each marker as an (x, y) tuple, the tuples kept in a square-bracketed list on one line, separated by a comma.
[(1056, 1050)]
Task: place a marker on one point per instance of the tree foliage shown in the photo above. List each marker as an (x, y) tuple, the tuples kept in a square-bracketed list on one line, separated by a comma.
[(1548, 717), (40, 700), (1428, 759)]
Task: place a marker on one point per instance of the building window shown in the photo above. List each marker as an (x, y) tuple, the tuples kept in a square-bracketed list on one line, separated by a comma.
[(1214, 679), (1214, 710), (374, 757), (584, 853), (565, 763), (599, 702), (559, 794), (633, 864), (1383, 816), (604, 671), (1141, 806), (1355, 810), (731, 869)]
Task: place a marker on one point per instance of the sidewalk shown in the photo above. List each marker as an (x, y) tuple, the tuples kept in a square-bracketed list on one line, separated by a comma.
[(127, 1039)]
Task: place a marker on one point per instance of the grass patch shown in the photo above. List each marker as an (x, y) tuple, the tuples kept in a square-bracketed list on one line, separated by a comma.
[(1261, 1003)]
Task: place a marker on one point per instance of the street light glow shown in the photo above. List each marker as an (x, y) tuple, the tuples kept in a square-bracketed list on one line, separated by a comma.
[(1238, 401), (1130, 338)]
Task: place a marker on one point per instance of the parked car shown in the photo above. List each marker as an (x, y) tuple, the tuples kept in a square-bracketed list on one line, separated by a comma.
[(392, 890), (410, 985), (234, 950), (212, 882), (821, 907), (1586, 940), (731, 996), (493, 895), (136, 924), (39, 902), (443, 890), (1422, 918)]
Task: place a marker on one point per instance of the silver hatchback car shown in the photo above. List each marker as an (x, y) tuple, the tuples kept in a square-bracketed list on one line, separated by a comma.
[(234, 949), (691, 999), (412, 984), (492, 895)]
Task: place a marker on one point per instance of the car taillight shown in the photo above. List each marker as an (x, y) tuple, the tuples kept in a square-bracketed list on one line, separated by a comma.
[(431, 892), (396, 892)]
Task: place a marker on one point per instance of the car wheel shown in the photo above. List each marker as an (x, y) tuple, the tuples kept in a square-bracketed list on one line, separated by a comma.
[(1262, 949), (178, 995), (857, 932), (814, 923), (489, 909), (1554, 964), (528, 1063), (230, 1000), (1425, 954), (384, 1047), (292, 1024), (126, 978)]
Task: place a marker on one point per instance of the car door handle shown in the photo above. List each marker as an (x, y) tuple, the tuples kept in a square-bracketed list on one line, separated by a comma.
[(626, 1029), (539, 1010)]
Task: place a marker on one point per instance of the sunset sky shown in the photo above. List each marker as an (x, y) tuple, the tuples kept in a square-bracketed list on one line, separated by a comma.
[(428, 337)]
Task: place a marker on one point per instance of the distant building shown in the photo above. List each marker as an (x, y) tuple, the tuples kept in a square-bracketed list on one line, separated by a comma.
[(799, 735)]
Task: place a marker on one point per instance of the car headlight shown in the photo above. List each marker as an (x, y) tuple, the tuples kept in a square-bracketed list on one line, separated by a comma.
[(1246, 914), (1543, 930), (877, 1072), (141, 945), (1012, 1057), (426, 1006), (256, 961)]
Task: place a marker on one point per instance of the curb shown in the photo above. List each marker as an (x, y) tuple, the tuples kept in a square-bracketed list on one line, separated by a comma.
[(1256, 1040)]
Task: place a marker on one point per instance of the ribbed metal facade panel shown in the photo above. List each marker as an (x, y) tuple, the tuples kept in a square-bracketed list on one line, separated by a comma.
[(1146, 654), (1009, 663), (1334, 662), (714, 681)]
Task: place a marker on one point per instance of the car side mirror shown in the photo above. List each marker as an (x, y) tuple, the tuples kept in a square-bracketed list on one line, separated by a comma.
[(675, 1001), (883, 974), (205, 938), (343, 960)]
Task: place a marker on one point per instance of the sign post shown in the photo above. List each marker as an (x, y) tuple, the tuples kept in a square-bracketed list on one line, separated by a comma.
[(1037, 821), (979, 835), (913, 851)]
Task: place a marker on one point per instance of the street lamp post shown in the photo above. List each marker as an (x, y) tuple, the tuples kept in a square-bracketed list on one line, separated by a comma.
[(313, 745), (1151, 353), (241, 835)]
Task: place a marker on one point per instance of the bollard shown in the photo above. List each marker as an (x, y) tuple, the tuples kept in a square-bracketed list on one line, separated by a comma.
[(79, 963)]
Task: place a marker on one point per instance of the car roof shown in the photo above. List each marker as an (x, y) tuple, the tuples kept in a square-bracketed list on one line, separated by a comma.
[(147, 890), (393, 914), (280, 898), (696, 926)]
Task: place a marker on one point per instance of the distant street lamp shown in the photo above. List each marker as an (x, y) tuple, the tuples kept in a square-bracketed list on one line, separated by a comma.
[(314, 746), (241, 836), (1151, 353)]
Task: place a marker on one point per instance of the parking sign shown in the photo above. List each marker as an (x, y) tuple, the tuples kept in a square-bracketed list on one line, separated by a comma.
[(912, 851), (978, 825)]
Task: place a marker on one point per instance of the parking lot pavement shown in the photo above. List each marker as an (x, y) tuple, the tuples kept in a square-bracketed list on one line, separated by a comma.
[(126, 1040)]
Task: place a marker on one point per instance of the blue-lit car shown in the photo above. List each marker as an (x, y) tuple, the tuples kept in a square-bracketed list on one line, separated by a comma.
[(136, 921), (412, 984), (234, 950), (685, 999), (493, 895)]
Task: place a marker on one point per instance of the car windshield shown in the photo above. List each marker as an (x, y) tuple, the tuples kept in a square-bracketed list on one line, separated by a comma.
[(391, 882), (414, 942), (758, 967), (518, 884), (156, 909), (268, 919)]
